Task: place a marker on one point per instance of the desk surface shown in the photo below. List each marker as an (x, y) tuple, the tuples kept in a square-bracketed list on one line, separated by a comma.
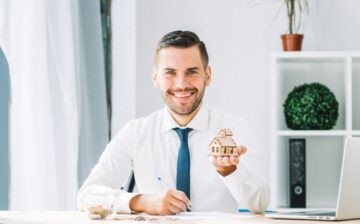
[(60, 217)]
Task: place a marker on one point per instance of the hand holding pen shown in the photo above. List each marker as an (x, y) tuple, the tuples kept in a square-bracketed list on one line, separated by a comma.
[(168, 202), (188, 208)]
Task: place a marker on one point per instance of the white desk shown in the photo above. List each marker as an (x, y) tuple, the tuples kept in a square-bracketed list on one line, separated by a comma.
[(61, 217)]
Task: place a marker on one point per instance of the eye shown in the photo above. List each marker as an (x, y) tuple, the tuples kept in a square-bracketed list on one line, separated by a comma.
[(170, 72), (192, 72)]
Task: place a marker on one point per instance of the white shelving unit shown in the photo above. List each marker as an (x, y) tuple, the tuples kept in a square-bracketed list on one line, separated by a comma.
[(340, 71)]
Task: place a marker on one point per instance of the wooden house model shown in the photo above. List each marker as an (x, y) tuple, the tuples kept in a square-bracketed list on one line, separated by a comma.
[(223, 144)]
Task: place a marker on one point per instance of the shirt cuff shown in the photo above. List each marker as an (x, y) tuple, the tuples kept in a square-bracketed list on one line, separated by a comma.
[(123, 202), (240, 173), (247, 189)]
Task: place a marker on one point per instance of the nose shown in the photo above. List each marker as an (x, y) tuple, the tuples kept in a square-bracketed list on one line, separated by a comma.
[(181, 81)]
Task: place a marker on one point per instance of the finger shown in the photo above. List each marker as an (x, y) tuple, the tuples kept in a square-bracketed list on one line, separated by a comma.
[(216, 160), (165, 210), (173, 209), (180, 205), (219, 161), (226, 161), (234, 160), (181, 196), (239, 151), (235, 152), (242, 150)]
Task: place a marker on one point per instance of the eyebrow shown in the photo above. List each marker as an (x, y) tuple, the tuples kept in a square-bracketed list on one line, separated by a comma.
[(173, 69), (169, 69), (193, 68)]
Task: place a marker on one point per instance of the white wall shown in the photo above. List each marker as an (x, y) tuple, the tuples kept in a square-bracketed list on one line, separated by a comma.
[(333, 25), (239, 40), (123, 62)]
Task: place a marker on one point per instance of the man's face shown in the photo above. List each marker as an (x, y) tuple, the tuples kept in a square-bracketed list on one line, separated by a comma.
[(181, 78)]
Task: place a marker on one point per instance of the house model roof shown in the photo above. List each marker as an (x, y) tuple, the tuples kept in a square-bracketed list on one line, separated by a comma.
[(224, 138)]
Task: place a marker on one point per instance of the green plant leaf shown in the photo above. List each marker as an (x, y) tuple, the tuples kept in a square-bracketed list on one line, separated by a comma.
[(311, 107)]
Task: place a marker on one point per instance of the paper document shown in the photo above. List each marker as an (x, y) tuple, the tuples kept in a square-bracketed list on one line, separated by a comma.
[(212, 215), (184, 216)]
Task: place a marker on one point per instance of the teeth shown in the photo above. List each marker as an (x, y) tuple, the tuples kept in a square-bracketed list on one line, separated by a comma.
[(179, 94)]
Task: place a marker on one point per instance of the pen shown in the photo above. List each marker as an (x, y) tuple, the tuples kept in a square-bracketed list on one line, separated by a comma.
[(168, 186), (247, 210), (163, 182), (244, 210)]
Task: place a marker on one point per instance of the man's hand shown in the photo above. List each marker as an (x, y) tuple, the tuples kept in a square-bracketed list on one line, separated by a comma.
[(170, 202), (225, 165)]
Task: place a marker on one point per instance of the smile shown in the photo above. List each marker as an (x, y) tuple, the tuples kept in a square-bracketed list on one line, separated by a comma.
[(183, 96)]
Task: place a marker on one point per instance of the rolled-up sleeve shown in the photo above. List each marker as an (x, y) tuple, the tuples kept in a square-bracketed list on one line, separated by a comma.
[(246, 183), (105, 184), (248, 188)]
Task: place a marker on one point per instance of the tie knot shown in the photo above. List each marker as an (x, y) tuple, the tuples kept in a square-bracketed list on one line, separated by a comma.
[(183, 133)]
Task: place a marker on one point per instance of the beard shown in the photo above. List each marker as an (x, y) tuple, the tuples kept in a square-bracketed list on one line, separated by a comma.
[(179, 108)]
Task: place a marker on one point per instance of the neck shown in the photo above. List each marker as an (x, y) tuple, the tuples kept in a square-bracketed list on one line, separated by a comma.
[(184, 120)]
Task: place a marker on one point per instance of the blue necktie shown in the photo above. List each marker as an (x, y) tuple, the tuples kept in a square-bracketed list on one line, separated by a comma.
[(183, 162)]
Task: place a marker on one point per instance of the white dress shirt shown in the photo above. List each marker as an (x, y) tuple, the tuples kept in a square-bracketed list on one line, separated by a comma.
[(149, 146)]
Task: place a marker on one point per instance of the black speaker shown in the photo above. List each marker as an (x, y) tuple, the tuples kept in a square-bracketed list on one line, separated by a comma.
[(297, 159)]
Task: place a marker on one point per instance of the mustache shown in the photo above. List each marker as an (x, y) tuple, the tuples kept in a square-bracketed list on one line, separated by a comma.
[(187, 89)]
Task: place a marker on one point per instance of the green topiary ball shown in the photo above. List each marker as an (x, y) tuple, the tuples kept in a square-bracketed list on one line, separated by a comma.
[(311, 107)]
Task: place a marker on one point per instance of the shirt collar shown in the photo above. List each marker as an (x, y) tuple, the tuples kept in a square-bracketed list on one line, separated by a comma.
[(199, 123)]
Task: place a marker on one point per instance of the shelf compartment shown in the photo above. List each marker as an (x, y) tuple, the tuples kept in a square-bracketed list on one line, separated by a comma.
[(294, 72), (323, 168), (356, 93)]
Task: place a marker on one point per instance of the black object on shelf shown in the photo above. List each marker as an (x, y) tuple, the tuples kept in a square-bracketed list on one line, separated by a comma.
[(297, 159)]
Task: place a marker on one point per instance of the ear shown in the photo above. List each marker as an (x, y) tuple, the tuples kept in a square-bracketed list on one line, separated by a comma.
[(154, 77), (207, 75)]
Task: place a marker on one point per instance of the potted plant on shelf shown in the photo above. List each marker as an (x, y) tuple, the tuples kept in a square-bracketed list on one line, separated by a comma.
[(292, 40), (311, 107)]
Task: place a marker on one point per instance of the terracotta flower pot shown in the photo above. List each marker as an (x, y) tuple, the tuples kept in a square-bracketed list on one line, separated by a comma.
[(292, 42)]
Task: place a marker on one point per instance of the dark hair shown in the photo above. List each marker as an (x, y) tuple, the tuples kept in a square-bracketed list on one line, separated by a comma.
[(183, 39)]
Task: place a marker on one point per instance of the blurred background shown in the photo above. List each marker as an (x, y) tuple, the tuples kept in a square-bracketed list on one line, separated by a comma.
[(73, 72)]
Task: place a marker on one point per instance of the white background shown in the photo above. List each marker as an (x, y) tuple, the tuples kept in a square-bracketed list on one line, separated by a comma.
[(239, 40)]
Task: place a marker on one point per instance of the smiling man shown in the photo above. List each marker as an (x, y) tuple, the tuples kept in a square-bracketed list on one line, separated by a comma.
[(181, 74), (168, 150)]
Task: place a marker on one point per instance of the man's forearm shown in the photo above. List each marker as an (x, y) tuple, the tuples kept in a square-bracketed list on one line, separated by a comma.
[(224, 171), (137, 203), (248, 188)]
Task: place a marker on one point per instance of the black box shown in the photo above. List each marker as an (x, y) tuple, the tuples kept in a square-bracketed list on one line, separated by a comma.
[(297, 162)]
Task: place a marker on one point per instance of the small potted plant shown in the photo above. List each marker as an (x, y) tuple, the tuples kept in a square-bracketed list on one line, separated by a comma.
[(311, 107), (295, 9)]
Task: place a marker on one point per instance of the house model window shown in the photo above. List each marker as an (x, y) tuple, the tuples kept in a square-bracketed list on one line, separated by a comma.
[(223, 144)]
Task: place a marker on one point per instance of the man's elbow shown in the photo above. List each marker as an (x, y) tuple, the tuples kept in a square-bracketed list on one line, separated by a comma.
[(80, 200), (260, 201)]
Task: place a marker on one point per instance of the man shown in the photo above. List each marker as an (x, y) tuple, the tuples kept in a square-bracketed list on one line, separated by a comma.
[(168, 150)]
